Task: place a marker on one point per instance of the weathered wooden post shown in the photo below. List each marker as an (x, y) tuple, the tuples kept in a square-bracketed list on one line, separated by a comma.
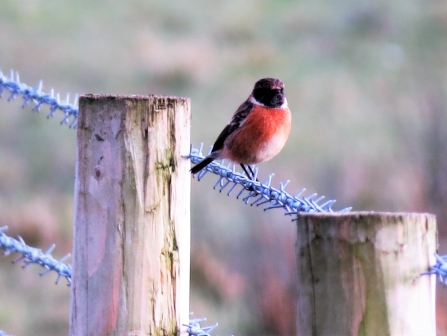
[(358, 274), (132, 221)]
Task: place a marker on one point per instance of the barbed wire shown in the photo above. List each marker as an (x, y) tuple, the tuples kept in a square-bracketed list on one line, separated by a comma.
[(439, 269), (39, 98), (32, 255), (263, 193)]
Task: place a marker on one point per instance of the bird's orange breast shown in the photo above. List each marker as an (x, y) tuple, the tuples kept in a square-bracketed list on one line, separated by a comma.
[(260, 137)]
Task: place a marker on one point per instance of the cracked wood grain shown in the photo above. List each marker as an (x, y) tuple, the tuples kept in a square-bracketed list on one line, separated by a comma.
[(359, 274)]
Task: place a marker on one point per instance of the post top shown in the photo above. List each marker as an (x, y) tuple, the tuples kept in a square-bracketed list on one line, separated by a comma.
[(101, 96)]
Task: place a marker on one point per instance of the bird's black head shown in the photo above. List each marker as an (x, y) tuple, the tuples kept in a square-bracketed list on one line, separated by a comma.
[(269, 92)]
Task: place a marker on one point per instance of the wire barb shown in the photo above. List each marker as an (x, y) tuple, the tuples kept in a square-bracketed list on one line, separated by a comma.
[(39, 98), (32, 255), (194, 328)]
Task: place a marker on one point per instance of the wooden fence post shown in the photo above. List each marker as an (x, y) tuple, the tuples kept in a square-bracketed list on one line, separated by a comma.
[(132, 221), (358, 274)]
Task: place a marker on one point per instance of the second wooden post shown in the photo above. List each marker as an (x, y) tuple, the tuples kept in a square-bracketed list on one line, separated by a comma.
[(359, 274), (132, 231)]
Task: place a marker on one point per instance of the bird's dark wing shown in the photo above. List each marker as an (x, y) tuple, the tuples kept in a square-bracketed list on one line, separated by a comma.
[(239, 116)]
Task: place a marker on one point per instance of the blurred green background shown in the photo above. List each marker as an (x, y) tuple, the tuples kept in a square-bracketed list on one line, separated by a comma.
[(366, 82)]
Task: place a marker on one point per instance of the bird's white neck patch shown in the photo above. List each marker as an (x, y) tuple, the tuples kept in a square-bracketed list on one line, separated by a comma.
[(254, 101)]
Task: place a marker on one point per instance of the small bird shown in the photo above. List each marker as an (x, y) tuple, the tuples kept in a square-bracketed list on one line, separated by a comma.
[(258, 129)]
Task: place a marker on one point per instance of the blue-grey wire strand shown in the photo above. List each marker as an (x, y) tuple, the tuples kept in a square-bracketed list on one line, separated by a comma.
[(263, 192), (16, 88), (32, 255)]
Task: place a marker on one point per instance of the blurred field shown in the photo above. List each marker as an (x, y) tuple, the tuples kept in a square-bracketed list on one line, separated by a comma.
[(367, 85)]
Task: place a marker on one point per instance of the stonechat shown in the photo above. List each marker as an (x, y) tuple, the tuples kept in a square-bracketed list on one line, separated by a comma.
[(258, 129)]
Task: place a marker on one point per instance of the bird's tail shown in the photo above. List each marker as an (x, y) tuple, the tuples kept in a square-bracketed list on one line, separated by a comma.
[(202, 164)]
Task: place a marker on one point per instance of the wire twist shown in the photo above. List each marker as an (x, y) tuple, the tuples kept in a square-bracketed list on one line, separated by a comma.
[(440, 269)]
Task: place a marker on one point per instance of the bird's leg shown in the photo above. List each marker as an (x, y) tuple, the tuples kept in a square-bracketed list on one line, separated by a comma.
[(251, 176), (246, 171), (252, 173)]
